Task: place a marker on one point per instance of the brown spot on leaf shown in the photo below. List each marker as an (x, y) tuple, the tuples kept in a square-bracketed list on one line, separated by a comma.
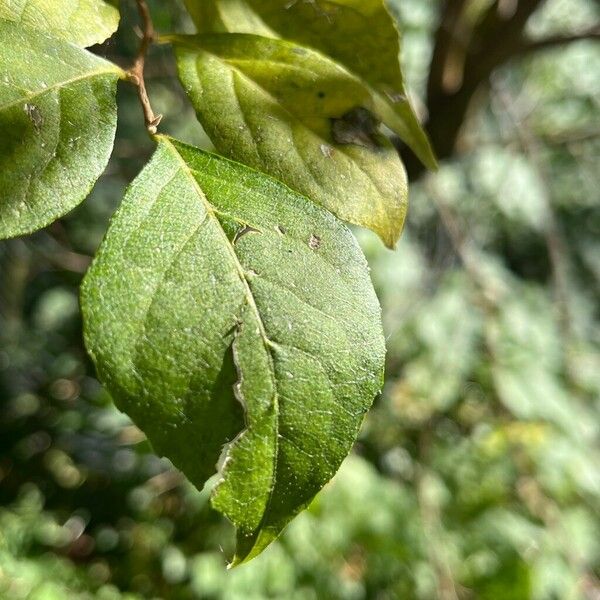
[(315, 242), (280, 229), (358, 126)]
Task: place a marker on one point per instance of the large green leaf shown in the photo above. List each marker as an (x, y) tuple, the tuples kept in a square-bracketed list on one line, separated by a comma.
[(359, 34), (83, 22), (58, 119), (293, 113), (223, 306)]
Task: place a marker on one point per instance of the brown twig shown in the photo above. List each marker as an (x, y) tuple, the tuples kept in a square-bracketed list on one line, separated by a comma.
[(136, 73), (526, 45), (463, 60)]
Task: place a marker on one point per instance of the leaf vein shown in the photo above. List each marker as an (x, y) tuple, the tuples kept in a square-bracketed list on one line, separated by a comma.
[(59, 85), (252, 303)]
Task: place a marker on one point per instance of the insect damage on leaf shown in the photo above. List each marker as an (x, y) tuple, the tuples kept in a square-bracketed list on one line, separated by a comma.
[(358, 126), (295, 114), (360, 35), (34, 114), (268, 341)]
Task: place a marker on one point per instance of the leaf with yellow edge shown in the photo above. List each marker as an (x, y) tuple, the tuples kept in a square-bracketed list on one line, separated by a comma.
[(82, 22), (300, 117), (359, 34)]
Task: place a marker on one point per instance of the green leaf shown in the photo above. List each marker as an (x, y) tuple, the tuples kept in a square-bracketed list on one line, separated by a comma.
[(222, 307), (293, 113), (359, 34), (58, 119), (83, 22)]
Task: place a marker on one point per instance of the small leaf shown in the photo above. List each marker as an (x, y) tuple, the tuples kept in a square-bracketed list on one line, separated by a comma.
[(223, 307), (293, 113), (83, 22), (58, 119), (359, 34)]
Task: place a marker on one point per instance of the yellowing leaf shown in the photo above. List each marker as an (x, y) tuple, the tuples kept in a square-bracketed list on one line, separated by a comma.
[(359, 34), (291, 112), (83, 22)]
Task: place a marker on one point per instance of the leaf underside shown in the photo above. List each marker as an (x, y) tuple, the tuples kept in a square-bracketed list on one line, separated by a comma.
[(293, 113), (223, 308), (358, 34), (83, 22), (58, 119)]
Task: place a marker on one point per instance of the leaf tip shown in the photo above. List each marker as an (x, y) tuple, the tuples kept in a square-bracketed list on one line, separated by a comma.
[(432, 162), (390, 235), (391, 242)]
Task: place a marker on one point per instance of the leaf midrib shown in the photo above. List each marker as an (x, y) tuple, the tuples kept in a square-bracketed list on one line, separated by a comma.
[(268, 344), (61, 84)]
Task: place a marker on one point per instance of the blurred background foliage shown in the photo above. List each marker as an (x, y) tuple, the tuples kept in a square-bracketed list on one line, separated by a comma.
[(477, 473)]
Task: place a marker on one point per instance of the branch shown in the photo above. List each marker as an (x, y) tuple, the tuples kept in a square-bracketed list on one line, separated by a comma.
[(448, 36), (553, 41), (497, 35), (136, 73), (496, 38)]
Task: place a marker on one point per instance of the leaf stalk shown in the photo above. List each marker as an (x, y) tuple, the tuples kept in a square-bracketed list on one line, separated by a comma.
[(136, 72)]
